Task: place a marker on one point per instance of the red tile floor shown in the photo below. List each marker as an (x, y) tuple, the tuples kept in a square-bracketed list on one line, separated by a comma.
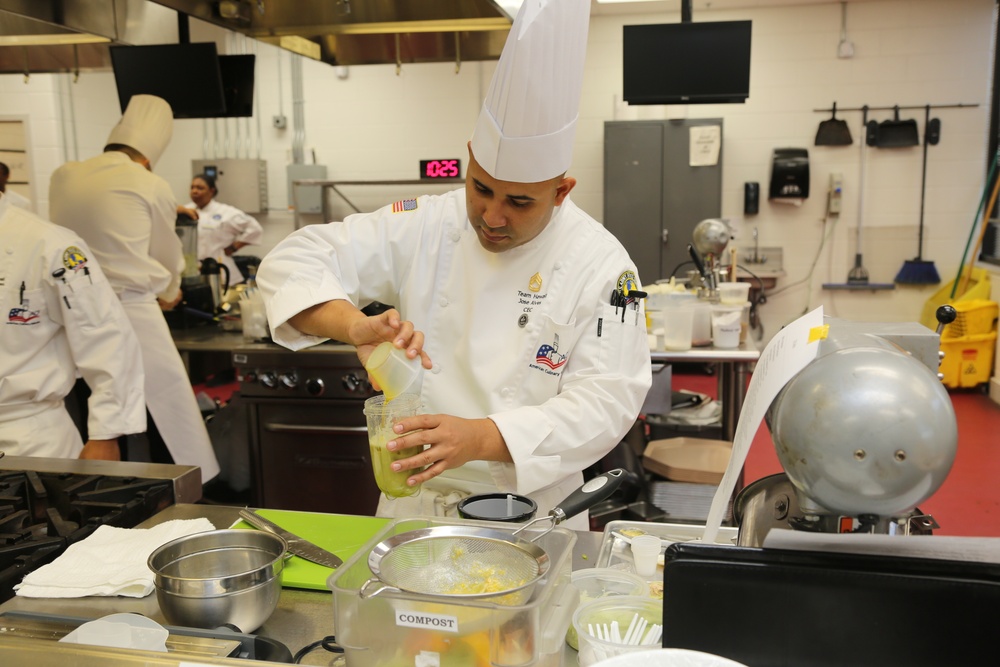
[(968, 503)]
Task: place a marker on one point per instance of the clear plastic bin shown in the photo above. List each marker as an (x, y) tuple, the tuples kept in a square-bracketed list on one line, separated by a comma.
[(400, 629)]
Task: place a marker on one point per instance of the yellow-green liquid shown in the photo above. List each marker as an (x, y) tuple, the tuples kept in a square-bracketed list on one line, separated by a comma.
[(393, 484)]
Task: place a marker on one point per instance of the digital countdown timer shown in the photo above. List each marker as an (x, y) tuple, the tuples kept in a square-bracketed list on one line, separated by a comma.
[(440, 168)]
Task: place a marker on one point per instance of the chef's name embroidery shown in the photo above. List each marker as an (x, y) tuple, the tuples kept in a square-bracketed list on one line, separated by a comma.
[(22, 316), (425, 620), (548, 359), (528, 301), (405, 205)]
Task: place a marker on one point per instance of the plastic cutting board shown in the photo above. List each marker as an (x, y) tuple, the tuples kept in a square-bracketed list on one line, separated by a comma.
[(343, 534)]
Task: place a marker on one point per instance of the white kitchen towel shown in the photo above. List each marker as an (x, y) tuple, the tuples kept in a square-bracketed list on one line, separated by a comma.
[(112, 561)]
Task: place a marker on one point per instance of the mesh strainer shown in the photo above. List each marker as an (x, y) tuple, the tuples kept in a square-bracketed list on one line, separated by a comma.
[(457, 562)]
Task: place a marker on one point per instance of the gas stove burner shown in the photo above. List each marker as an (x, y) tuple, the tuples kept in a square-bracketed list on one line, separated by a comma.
[(43, 513)]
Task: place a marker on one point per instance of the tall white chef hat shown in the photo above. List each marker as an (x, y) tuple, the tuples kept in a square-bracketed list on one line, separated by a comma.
[(146, 126), (527, 124)]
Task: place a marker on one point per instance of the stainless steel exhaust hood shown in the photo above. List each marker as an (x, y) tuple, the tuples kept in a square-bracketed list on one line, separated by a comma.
[(363, 32), (73, 35)]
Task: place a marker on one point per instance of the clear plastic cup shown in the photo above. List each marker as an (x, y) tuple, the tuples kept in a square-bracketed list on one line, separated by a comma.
[(734, 293), (382, 414), (622, 610), (678, 326), (645, 553), (394, 372)]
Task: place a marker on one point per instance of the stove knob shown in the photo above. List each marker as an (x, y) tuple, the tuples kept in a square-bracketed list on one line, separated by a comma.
[(289, 380), (315, 386), (352, 382), (250, 377), (269, 380)]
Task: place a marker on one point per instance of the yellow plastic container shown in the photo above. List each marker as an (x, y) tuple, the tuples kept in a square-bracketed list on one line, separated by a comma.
[(978, 287), (968, 361), (975, 316)]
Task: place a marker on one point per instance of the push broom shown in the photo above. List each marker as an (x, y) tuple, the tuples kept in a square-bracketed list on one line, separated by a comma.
[(921, 271)]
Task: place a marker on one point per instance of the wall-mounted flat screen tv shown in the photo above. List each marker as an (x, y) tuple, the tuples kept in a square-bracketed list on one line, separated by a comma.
[(237, 84), (187, 76), (687, 63)]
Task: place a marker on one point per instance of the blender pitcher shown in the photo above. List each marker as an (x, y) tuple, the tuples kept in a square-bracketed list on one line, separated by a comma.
[(187, 231)]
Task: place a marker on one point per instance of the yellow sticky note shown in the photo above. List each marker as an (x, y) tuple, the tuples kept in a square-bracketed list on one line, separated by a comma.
[(819, 333)]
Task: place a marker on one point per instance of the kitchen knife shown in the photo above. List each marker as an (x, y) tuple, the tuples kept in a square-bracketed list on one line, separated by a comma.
[(297, 545)]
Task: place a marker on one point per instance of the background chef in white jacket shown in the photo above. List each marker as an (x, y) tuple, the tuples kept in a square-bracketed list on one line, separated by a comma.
[(60, 317), (505, 287), (126, 214), (13, 198), (222, 229)]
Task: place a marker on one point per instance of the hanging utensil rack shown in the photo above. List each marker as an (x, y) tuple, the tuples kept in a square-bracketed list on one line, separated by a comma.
[(893, 107)]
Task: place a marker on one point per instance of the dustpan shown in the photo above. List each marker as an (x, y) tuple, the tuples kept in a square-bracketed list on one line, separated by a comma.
[(833, 131), (897, 133)]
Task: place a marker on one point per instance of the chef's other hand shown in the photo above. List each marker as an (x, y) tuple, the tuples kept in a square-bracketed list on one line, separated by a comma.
[(453, 442), (102, 450), (189, 212), (169, 305), (367, 333)]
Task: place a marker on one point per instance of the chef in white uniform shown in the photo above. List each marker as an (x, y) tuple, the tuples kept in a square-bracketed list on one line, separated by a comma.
[(222, 229), (13, 198), (126, 214), (61, 317), (506, 287)]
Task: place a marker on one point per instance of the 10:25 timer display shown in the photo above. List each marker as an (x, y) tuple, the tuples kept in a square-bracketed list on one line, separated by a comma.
[(435, 169)]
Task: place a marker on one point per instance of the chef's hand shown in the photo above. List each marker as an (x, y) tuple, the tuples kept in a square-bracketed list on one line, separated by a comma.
[(103, 450), (169, 305), (189, 212), (453, 442), (367, 333)]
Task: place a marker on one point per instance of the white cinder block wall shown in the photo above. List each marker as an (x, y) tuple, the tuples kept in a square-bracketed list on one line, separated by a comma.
[(376, 125)]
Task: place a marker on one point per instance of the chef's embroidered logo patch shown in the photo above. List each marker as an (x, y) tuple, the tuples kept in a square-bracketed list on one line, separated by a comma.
[(535, 283), (548, 359), (73, 258), (627, 282), (22, 316), (405, 205)]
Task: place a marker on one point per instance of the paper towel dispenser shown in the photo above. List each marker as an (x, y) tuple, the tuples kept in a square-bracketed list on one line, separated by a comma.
[(789, 174)]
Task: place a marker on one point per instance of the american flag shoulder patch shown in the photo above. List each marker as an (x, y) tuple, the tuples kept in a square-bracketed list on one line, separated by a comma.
[(404, 205)]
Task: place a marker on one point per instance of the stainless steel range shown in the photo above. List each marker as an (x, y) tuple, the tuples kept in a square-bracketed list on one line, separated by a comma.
[(308, 436), (47, 504)]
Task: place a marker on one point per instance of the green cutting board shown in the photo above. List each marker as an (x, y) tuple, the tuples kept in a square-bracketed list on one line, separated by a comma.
[(343, 534)]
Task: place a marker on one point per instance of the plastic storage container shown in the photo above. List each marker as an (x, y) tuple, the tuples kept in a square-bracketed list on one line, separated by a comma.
[(602, 582), (606, 611), (396, 628)]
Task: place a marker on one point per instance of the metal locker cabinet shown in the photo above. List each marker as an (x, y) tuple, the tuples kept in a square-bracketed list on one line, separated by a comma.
[(653, 198)]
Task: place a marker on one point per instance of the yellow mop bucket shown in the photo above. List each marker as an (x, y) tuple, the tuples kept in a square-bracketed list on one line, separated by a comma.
[(978, 288)]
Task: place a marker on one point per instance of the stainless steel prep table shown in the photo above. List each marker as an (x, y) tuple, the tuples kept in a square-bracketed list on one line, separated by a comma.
[(301, 618), (734, 365)]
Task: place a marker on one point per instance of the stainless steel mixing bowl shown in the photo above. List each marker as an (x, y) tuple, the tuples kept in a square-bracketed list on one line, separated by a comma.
[(219, 577)]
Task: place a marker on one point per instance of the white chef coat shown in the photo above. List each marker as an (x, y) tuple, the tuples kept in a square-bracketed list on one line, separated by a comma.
[(219, 226), (54, 327), (527, 337), (127, 214), (18, 200)]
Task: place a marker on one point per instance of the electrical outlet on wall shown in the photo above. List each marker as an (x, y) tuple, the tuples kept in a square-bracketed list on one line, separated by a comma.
[(834, 200)]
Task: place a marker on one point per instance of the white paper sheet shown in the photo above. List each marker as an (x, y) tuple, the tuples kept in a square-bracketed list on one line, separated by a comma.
[(791, 350), (705, 142)]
